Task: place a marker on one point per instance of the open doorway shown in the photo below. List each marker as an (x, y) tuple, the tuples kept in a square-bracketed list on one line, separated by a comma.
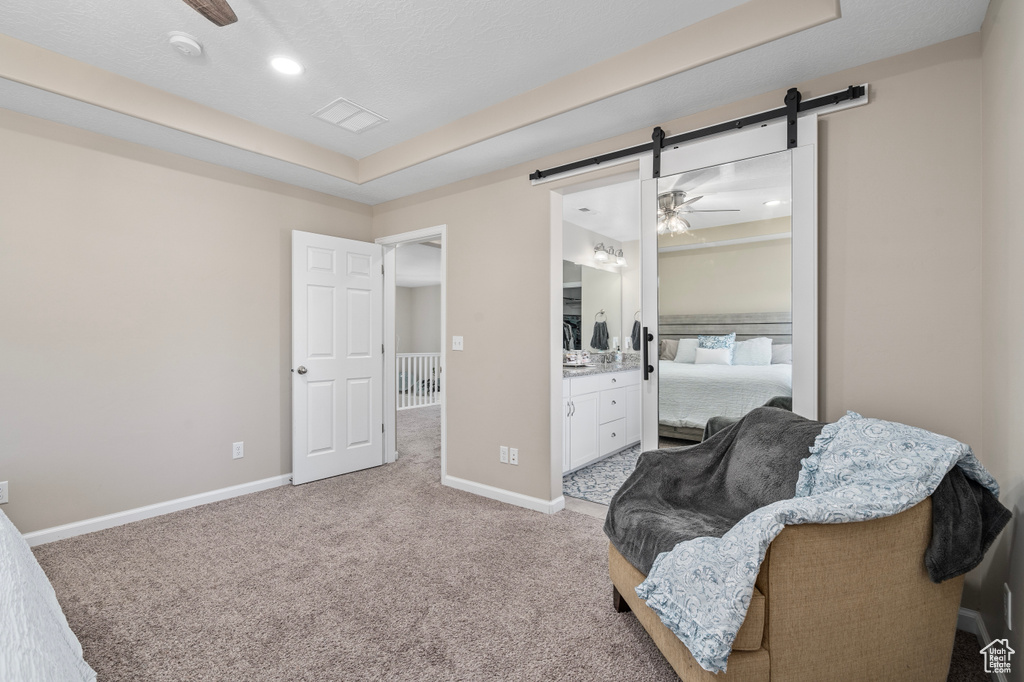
[(599, 337), (414, 358)]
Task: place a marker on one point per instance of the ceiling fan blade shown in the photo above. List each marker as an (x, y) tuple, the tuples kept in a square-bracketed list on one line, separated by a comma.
[(217, 11), (712, 210), (690, 201)]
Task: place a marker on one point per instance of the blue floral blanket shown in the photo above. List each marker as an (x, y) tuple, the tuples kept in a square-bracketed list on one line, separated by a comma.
[(858, 469)]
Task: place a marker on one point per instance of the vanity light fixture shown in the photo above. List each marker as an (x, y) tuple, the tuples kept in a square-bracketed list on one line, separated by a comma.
[(601, 253), (620, 258), (287, 66)]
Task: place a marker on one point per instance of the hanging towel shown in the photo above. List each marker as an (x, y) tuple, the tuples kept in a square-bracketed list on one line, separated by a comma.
[(600, 339), (636, 335)]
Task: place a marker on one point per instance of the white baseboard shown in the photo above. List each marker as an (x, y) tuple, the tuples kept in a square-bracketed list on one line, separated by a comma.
[(41, 537), (971, 621), (507, 496)]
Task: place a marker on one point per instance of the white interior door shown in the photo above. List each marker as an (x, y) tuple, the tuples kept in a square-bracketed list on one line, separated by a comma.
[(337, 356)]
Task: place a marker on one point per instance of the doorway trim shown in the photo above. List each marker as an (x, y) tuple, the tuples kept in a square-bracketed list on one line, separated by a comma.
[(630, 169), (390, 244)]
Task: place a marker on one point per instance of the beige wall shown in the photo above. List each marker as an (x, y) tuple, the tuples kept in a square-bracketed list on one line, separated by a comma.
[(1003, 282), (146, 321), (755, 277), (418, 319), (897, 256)]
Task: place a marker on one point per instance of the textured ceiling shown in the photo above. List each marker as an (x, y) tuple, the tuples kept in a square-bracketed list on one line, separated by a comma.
[(613, 211), (431, 64), (420, 64)]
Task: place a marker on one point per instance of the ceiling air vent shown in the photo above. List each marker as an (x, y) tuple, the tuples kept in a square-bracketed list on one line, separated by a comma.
[(349, 115)]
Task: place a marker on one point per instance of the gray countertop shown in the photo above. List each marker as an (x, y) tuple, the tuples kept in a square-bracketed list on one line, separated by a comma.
[(599, 368)]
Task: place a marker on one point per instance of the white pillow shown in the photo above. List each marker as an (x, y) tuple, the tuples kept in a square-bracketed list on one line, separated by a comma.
[(686, 350), (753, 352), (713, 356), (782, 354)]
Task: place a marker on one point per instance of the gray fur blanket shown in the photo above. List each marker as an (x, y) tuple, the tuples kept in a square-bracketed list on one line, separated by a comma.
[(704, 490)]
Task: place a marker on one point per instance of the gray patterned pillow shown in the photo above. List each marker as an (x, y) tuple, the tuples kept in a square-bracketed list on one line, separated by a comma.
[(723, 341), (668, 349)]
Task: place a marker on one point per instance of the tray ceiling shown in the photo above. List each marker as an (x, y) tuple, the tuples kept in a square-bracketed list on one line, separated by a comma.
[(425, 65)]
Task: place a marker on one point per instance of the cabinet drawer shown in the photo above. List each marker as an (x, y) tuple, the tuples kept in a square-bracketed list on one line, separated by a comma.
[(619, 379), (613, 404), (613, 436), (582, 385)]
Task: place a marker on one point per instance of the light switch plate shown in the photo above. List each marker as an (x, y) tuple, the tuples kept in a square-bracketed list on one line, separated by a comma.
[(456, 343), (503, 454)]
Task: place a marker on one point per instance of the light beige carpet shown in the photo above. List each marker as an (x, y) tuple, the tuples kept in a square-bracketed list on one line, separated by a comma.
[(378, 575)]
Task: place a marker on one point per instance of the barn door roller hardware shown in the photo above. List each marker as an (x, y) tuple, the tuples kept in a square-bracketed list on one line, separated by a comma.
[(793, 106)]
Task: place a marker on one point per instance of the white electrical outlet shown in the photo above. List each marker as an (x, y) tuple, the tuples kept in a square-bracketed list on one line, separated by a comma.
[(3, 492), (503, 454), (1007, 606), (238, 450), (456, 343), (513, 456)]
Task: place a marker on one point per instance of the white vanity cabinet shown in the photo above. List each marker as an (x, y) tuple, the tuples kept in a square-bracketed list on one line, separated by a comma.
[(601, 416)]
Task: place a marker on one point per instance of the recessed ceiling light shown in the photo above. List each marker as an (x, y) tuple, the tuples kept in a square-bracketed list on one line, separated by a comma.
[(286, 65), (773, 202)]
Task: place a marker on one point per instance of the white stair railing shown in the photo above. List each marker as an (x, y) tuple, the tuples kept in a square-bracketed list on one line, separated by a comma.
[(418, 380)]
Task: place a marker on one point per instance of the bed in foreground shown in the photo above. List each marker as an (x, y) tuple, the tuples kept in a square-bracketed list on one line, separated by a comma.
[(36, 643)]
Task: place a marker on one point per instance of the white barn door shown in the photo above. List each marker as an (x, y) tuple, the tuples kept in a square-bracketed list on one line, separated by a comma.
[(337, 356)]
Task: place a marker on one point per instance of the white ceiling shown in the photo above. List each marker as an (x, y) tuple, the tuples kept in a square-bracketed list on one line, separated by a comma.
[(613, 210), (420, 64), (429, 63), (743, 185), (417, 265)]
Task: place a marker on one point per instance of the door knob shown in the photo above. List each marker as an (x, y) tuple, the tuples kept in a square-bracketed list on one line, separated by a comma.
[(301, 370)]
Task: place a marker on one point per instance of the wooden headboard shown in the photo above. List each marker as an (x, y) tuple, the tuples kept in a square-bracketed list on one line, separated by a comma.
[(776, 326)]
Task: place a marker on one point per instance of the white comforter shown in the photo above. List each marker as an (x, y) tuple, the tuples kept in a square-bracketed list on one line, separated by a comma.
[(36, 644), (691, 394)]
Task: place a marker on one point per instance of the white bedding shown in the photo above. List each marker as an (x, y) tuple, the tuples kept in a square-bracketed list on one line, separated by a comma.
[(36, 644), (692, 394)]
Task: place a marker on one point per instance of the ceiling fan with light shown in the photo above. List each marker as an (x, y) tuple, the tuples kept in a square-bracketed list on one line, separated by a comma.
[(217, 11), (671, 207)]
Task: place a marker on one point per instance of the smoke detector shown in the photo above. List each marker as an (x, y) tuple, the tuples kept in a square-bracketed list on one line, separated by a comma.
[(185, 44)]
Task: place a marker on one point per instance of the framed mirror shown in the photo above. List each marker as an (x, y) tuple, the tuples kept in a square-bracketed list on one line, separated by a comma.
[(729, 253)]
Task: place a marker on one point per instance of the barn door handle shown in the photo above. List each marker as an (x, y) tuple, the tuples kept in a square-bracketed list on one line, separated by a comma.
[(648, 368)]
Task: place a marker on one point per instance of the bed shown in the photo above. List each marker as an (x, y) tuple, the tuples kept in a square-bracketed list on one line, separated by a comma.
[(36, 644), (691, 394)]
